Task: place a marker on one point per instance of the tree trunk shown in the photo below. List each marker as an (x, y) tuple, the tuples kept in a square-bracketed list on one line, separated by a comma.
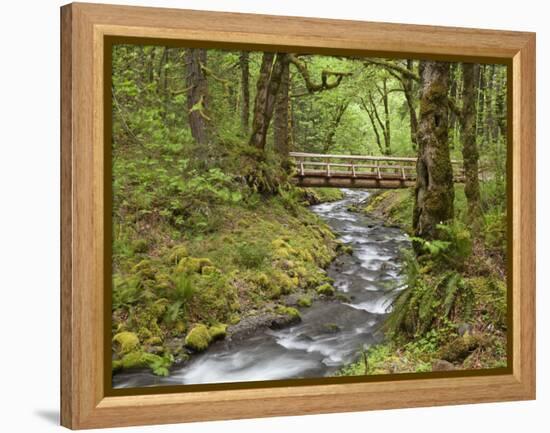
[(245, 89), (470, 153), (387, 133), (267, 87), (197, 94), (434, 192), (408, 88), (281, 131)]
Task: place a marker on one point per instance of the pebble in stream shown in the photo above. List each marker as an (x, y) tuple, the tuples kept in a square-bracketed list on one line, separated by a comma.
[(331, 333)]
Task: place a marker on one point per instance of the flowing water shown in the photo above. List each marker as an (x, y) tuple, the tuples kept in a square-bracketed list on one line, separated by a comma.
[(331, 333)]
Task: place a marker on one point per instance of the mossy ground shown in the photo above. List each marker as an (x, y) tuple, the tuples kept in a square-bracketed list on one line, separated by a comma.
[(189, 285), (469, 334)]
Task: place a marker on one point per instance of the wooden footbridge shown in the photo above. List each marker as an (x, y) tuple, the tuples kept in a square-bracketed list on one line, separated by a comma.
[(355, 171)]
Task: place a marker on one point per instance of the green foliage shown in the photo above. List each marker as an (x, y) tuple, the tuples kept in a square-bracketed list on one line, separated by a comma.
[(453, 249), (126, 291), (253, 255), (304, 301)]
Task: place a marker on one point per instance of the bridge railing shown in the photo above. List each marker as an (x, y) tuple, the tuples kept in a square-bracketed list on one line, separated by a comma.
[(377, 167)]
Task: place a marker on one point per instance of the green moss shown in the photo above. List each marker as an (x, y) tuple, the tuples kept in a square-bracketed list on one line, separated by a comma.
[(304, 301), (179, 327), (163, 281), (126, 342), (289, 312), (177, 253), (345, 249), (138, 359), (153, 341), (208, 270), (190, 265), (458, 349), (279, 243), (218, 331), (145, 269), (140, 246), (325, 290), (282, 284), (198, 338), (234, 319)]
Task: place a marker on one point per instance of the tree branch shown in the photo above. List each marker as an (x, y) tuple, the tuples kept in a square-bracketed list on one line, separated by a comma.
[(311, 86), (407, 73)]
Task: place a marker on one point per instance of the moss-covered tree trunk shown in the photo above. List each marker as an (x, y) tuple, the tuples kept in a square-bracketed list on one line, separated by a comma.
[(245, 90), (267, 87), (281, 130), (197, 94), (470, 152), (410, 96), (434, 192)]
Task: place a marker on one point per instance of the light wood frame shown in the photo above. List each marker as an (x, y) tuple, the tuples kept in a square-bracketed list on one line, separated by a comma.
[(84, 403)]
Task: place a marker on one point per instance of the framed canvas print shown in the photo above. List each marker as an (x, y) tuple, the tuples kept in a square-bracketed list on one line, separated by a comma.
[(270, 216)]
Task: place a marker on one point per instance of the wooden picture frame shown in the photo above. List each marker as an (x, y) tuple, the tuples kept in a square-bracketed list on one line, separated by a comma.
[(85, 28)]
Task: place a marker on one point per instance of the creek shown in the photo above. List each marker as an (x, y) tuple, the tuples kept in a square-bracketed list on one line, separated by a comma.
[(332, 333)]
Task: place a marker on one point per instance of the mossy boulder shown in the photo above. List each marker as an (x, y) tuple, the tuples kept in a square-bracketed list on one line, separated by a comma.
[(198, 338), (344, 249), (218, 332), (139, 359), (458, 349), (325, 290), (304, 301), (192, 265), (290, 312), (125, 342)]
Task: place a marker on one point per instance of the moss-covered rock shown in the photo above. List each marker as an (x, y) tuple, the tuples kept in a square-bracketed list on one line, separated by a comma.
[(344, 249), (218, 331), (458, 349), (290, 312), (198, 338), (325, 290), (125, 342), (139, 359), (192, 265)]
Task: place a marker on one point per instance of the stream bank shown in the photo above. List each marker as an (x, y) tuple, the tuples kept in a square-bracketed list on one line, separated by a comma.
[(332, 331)]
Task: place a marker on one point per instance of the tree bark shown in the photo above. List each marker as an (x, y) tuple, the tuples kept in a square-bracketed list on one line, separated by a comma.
[(245, 89), (267, 87), (197, 94), (281, 131), (434, 192), (470, 152), (408, 88)]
